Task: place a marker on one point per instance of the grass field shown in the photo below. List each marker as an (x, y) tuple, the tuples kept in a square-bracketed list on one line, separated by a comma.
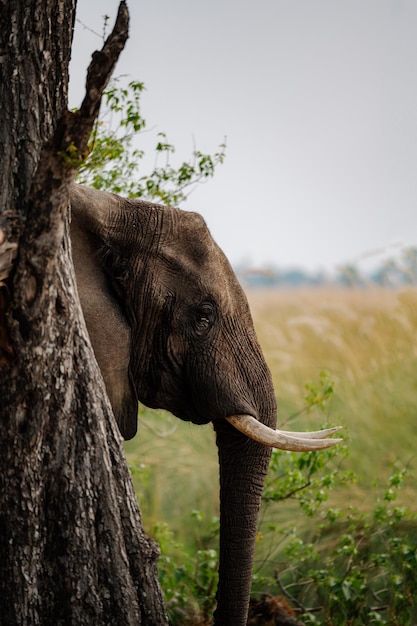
[(366, 339)]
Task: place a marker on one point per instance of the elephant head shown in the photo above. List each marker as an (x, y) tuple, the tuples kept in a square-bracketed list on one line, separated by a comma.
[(171, 327)]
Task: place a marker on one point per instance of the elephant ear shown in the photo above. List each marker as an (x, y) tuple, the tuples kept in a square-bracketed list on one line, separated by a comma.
[(98, 212), (95, 225)]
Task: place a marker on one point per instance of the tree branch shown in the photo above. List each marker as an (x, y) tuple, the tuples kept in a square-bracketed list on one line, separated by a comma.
[(103, 62), (63, 153)]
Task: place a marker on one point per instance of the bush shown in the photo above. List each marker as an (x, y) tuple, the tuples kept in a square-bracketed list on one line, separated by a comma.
[(354, 568), (344, 566), (334, 564)]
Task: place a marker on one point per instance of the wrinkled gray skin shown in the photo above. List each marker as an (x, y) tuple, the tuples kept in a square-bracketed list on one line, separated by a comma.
[(171, 327)]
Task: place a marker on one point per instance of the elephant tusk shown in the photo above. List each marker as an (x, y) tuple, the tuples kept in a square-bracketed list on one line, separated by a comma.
[(315, 434), (283, 439)]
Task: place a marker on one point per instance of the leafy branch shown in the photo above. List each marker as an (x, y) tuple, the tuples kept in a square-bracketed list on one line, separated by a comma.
[(115, 162)]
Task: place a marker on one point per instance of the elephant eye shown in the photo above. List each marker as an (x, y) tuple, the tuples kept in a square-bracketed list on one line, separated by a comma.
[(203, 318)]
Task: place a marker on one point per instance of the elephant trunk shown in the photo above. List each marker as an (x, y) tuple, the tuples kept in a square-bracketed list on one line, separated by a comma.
[(243, 465)]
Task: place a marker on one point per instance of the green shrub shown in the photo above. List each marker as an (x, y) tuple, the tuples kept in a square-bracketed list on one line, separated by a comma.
[(336, 564), (189, 581)]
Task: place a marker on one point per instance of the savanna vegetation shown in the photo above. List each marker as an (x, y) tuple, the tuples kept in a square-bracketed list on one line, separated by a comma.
[(338, 533)]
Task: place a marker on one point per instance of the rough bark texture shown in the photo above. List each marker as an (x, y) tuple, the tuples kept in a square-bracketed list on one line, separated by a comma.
[(72, 548)]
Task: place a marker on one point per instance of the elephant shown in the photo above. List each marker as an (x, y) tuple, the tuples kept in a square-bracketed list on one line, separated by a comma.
[(171, 327)]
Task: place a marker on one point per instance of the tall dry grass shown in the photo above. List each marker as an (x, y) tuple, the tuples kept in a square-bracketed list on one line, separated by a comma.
[(367, 339)]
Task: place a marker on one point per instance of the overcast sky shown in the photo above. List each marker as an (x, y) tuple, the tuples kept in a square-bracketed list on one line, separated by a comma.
[(317, 99)]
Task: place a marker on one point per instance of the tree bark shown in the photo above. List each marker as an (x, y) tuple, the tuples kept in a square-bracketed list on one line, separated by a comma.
[(72, 548)]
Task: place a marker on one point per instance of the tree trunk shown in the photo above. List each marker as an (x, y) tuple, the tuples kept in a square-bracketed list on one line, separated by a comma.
[(72, 548)]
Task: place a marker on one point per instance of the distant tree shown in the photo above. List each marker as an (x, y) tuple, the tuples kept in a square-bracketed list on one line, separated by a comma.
[(409, 265), (395, 272), (350, 276)]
